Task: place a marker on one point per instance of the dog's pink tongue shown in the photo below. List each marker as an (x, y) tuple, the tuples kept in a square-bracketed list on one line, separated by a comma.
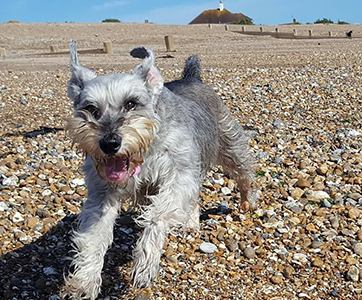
[(116, 169)]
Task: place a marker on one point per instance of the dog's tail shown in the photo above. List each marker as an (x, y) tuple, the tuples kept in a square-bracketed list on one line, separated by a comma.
[(192, 69)]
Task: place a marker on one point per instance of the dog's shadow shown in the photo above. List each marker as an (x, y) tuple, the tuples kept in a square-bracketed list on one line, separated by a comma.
[(37, 270)]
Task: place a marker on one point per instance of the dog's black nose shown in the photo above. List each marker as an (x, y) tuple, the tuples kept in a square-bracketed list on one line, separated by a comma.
[(110, 144)]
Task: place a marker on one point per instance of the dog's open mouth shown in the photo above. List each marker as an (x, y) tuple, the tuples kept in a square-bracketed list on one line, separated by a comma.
[(118, 168)]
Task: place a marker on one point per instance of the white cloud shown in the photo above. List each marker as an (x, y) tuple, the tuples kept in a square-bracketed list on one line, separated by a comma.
[(109, 5)]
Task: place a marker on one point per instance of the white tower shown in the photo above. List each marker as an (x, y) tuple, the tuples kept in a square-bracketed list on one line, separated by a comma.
[(221, 6)]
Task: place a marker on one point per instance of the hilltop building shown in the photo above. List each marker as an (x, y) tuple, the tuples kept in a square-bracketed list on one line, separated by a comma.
[(219, 16)]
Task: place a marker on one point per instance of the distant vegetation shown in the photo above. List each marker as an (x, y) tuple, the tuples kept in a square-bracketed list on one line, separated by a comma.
[(111, 21), (342, 22), (324, 21), (245, 22)]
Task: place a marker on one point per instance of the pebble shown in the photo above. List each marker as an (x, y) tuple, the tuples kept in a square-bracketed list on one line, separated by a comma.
[(318, 195), (303, 183), (288, 272), (357, 248), (326, 203), (300, 257), (32, 222), (18, 217), (323, 169), (77, 182), (355, 196), (11, 181), (3, 206), (354, 213), (208, 248), (46, 193), (225, 190), (353, 273), (317, 262), (276, 279), (232, 245), (49, 271), (141, 297), (249, 252)]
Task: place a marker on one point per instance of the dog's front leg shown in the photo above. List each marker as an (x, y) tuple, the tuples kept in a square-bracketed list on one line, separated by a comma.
[(170, 209), (92, 239)]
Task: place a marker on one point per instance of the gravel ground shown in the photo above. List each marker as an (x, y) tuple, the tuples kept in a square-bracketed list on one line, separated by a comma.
[(300, 101)]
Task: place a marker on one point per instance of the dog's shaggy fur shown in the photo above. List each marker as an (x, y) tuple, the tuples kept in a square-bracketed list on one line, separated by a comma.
[(152, 142)]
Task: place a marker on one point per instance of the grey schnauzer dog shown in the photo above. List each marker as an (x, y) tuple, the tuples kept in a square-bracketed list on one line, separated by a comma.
[(151, 142)]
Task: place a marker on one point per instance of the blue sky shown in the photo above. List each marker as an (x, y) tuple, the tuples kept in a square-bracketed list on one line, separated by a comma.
[(268, 12)]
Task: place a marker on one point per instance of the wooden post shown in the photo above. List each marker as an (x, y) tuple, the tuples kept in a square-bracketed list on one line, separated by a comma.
[(210, 26), (295, 31), (170, 45), (310, 33), (226, 27), (108, 47), (330, 34), (2, 52), (53, 49)]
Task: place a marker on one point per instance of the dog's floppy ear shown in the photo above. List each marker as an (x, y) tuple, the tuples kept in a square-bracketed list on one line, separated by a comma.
[(147, 70), (80, 75)]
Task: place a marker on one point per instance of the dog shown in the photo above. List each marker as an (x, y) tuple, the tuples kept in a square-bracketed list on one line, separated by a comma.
[(152, 142)]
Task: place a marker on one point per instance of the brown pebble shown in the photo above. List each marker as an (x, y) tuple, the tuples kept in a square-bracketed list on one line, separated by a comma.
[(288, 272), (322, 170), (354, 213), (359, 235), (48, 220), (276, 279), (318, 262), (303, 183), (31, 222), (351, 260)]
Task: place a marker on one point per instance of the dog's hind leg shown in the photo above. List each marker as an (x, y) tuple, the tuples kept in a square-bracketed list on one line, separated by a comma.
[(236, 158)]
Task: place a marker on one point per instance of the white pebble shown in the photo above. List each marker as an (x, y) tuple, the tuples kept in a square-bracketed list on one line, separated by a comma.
[(208, 248), (226, 191), (18, 217)]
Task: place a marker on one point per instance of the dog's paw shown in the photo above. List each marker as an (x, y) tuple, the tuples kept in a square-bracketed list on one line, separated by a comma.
[(143, 276), (74, 289)]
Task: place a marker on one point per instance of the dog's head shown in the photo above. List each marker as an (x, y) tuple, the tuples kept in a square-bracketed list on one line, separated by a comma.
[(114, 120)]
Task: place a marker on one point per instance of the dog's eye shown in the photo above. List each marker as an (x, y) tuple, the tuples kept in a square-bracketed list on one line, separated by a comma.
[(130, 105), (93, 110)]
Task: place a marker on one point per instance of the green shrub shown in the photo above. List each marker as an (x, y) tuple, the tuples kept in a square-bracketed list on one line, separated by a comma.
[(245, 22), (324, 21), (111, 21), (342, 22)]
